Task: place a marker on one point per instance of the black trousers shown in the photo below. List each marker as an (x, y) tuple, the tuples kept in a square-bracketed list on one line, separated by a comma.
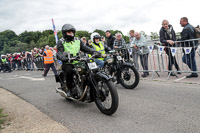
[(171, 60), (68, 74), (47, 67)]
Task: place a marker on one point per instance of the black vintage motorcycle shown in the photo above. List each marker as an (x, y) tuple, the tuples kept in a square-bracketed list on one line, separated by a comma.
[(121, 71), (5, 67), (90, 84)]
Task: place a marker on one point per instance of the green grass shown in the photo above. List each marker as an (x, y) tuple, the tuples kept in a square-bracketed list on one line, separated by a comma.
[(2, 118)]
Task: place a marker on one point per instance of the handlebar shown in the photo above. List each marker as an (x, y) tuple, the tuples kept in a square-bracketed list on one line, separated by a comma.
[(84, 58)]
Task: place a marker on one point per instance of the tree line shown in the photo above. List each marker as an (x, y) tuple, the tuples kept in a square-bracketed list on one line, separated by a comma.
[(10, 42)]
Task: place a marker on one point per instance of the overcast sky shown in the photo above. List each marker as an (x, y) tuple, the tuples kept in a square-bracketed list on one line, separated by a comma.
[(124, 15)]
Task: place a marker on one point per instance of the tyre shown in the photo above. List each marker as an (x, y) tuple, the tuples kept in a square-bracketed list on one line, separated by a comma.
[(64, 88), (107, 101), (128, 77)]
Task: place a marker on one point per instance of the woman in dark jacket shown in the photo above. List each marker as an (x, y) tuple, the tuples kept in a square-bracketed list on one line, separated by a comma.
[(168, 36)]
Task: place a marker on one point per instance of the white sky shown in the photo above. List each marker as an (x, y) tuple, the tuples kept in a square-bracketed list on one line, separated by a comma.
[(124, 15)]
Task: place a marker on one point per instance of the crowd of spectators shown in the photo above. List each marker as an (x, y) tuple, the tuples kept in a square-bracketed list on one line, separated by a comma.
[(28, 61)]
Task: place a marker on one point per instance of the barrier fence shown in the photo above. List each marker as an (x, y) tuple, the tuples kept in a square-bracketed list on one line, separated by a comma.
[(182, 57)]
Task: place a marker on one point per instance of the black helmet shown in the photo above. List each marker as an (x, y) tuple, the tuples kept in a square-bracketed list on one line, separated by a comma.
[(67, 27)]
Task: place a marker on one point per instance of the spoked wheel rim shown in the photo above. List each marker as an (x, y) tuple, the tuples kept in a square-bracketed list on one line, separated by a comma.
[(128, 76), (104, 99)]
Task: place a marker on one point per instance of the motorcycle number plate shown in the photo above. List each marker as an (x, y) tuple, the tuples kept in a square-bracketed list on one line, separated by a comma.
[(92, 65), (119, 57)]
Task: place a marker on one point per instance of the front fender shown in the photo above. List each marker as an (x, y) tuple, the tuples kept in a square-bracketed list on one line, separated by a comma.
[(102, 75), (128, 64)]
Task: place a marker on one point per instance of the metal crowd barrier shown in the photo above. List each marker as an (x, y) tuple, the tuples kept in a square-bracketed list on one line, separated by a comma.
[(153, 59), (158, 60)]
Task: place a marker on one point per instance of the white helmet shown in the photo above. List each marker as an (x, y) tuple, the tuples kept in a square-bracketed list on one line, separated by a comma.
[(95, 35)]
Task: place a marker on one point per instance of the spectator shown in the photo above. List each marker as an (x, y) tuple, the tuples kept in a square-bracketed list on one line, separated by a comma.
[(38, 61), (197, 29), (89, 42), (135, 52), (187, 33), (103, 40), (55, 57), (139, 42), (168, 36), (119, 42), (110, 39), (32, 61), (22, 56), (9, 60), (48, 61), (42, 57), (15, 61), (84, 40), (28, 58)]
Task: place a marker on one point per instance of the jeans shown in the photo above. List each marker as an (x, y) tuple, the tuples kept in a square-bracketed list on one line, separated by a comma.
[(189, 59), (144, 63), (30, 66), (100, 63), (135, 58)]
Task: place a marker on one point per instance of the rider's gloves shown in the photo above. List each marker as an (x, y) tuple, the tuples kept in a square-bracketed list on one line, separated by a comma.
[(64, 59)]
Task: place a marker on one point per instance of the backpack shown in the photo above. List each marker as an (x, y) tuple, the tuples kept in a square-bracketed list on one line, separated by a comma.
[(197, 32)]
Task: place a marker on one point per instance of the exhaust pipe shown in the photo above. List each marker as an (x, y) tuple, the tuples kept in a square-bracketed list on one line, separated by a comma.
[(63, 94)]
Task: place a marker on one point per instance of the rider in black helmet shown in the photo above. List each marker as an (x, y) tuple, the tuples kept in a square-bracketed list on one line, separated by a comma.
[(69, 44)]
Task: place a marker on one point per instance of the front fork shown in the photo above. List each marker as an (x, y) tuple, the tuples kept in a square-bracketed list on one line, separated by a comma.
[(99, 76)]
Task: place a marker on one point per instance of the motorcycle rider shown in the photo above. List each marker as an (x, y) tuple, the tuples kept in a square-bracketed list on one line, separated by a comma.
[(98, 46), (69, 44)]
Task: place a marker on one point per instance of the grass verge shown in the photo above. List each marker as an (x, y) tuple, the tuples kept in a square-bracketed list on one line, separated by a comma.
[(2, 119)]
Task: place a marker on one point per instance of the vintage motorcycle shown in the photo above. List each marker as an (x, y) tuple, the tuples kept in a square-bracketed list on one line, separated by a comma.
[(90, 84), (121, 71), (5, 67)]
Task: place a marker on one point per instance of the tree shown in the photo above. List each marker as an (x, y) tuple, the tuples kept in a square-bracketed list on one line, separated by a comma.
[(126, 38), (101, 32), (9, 34), (154, 36), (81, 34), (42, 42), (6, 37), (51, 40), (143, 33)]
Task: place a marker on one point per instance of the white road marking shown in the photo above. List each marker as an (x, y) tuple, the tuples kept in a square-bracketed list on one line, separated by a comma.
[(34, 79), (180, 79)]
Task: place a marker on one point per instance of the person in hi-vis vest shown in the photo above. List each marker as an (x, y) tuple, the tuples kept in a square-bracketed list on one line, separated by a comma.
[(69, 44), (98, 46), (48, 61)]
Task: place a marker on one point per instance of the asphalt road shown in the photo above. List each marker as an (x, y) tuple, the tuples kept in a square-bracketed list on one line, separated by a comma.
[(153, 107)]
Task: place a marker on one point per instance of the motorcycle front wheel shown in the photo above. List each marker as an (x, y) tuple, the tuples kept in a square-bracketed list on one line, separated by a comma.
[(107, 101), (128, 76)]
